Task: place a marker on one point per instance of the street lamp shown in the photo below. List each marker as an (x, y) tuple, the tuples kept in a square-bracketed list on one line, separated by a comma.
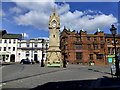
[(42, 61), (113, 31), (46, 49)]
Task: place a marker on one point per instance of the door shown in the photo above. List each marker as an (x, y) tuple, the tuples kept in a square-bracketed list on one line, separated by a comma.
[(12, 58), (35, 58)]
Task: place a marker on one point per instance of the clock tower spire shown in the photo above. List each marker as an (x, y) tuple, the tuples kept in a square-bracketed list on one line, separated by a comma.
[(54, 52)]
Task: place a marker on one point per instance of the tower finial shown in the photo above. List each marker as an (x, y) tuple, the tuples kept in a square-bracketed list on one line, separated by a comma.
[(54, 9), (64, 27)]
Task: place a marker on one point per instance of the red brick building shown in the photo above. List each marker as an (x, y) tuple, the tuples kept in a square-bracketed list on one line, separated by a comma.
[(83, 48), (110, 47)]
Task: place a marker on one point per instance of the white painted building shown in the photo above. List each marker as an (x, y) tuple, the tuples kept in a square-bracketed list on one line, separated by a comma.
[(8, 46), (32, 49), (13, 48)]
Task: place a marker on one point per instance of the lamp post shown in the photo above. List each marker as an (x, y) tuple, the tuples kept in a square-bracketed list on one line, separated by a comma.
[(42, 61), (46, 49), (113, 31)]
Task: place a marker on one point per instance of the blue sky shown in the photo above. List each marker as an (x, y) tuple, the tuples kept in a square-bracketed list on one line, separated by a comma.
[(32, 18)]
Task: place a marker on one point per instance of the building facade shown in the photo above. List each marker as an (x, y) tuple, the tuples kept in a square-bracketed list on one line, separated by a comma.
[(13, 48), (32, 49), (83, 48), (110, 47), (8, 46)]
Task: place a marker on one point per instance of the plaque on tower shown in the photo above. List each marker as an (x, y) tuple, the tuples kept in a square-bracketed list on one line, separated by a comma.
[(54, 52)]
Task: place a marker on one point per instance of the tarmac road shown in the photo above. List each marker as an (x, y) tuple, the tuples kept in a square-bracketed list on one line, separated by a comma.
[(31, 76)]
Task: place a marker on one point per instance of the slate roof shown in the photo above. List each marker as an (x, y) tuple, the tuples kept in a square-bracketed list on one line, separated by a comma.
[(111, 36), (12, 36)]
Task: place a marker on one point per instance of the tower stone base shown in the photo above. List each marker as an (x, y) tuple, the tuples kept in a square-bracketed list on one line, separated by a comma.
[(54, 58)]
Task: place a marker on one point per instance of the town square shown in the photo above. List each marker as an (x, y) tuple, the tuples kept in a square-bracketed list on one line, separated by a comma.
[(60, 45)]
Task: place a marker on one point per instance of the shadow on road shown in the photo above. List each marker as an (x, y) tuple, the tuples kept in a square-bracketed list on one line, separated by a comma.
[(92, 84), (99, 71)]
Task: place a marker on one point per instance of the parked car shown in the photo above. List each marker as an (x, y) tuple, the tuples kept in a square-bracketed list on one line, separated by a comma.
[(26, 61)]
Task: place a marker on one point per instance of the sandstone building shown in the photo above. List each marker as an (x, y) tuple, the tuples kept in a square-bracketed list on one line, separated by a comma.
[(86, 49)]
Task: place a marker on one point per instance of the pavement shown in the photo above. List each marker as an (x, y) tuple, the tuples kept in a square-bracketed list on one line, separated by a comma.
[(101, 83)]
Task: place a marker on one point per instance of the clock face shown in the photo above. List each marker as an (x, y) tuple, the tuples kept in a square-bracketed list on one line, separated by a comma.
[(54, 25)]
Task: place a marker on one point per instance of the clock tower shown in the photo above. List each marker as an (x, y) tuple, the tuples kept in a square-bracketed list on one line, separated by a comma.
[(54, 52)]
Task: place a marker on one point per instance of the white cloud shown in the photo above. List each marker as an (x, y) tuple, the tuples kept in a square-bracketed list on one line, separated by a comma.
[(25, 35), (2, 13), (38, 13), (15, 10)]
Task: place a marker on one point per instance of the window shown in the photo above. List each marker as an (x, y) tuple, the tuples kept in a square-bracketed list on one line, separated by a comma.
[(79, 55), (95, 39), (65, 47), (88, 38), (108, 41), (27, 53), (13, 48), (101, 38), (14, 41), (9, 48), (102, 45), (89, 46), (7, 56), (9, 40), (95, 46), (65, 40), (117, 51), (54, 36), (35, 44), (99, 56), (112, 41), (77, 38), (113, 51), (27, 44), (91, 56), (0, 40), (20, 44), (5, 41), (109, 52), (4, 48), (78, 46), (116, 41)]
